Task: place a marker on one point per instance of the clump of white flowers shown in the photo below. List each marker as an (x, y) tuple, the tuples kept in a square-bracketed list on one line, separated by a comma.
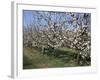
[(58, 34)]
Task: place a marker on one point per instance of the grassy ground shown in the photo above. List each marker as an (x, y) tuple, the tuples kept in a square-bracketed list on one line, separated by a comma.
[(33, 58)]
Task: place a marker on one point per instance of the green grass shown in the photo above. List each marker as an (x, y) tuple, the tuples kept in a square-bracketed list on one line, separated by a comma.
[(33, 58)]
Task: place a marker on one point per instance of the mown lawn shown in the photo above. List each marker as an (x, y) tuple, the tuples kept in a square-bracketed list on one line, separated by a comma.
[(33, 58)]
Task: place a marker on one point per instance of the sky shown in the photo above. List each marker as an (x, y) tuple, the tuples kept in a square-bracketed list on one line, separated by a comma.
[(27, 17), (31, 17)]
